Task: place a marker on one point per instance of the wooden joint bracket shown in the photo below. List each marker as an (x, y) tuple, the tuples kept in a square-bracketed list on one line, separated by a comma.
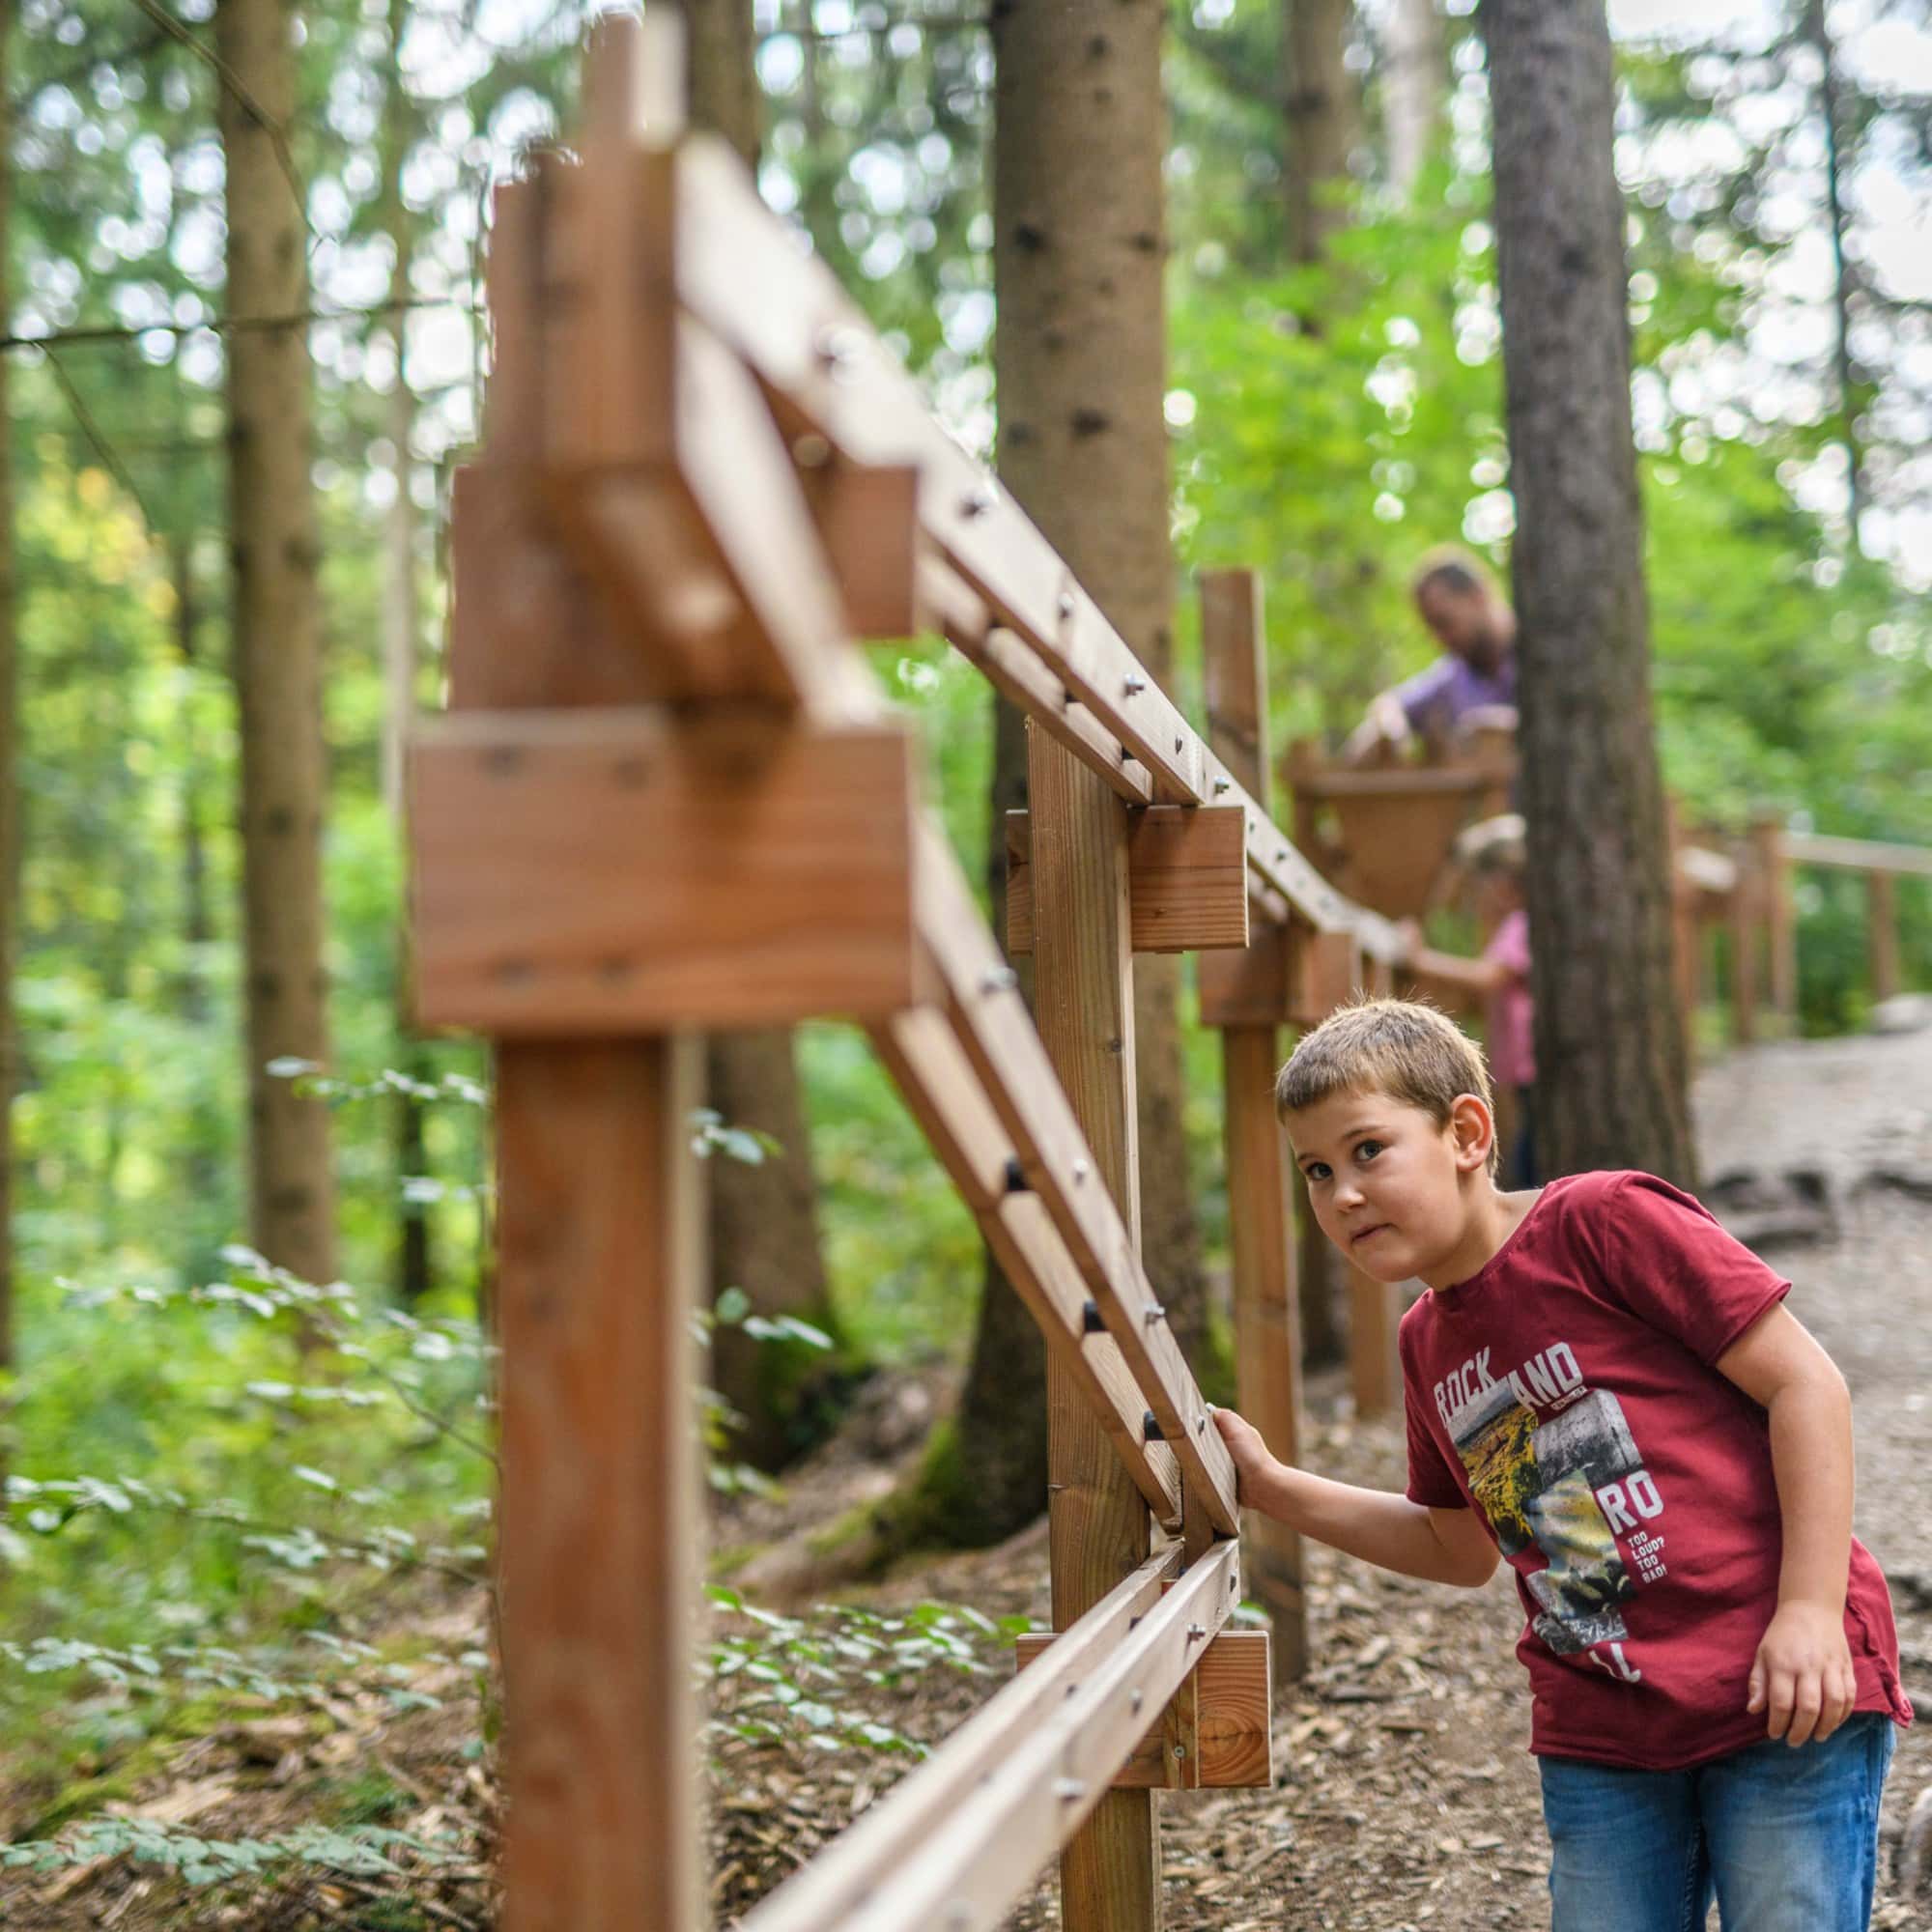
[(1215, 1730), (1187, 878), (628, 871)]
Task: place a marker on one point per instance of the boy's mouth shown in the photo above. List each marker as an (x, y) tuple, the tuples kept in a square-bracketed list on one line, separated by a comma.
[(1379, 1228)]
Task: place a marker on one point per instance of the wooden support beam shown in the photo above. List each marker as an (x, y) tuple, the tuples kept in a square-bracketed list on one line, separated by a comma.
[(605, 870), (1187, 878), (992, 1024), (598, 1240), (1740, 905), (1882, 933), (1096, 1523), (1218, 1718), (868, 519), (1781, 919), (1267, 1325), (944, 1095), (1858, 854), (963, 1837)]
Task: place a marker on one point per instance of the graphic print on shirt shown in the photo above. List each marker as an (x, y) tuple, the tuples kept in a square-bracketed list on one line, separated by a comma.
[(1552, 1463)]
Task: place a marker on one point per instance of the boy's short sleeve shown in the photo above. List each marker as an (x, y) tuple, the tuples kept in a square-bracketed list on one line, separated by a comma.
[(1431, 1481), (1670, 1263)]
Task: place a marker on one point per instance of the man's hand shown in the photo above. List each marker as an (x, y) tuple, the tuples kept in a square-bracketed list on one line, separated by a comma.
[(1801, 1676), (1252, 1460)]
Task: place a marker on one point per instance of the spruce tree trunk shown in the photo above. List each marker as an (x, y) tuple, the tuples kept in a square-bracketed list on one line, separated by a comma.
[(1080, 361), (9, 823), (764, 1219), (1610, 1073), (1415, 88), (1323, 121), (277, 657), (401, 602)]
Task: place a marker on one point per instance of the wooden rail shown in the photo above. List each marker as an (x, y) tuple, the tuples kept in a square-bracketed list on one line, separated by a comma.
[(675, 800)]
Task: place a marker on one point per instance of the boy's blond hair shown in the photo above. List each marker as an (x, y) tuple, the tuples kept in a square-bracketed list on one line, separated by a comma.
[(1402, 1048)]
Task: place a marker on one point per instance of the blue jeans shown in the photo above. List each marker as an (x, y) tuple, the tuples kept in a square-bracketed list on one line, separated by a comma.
[(1786, 1839)]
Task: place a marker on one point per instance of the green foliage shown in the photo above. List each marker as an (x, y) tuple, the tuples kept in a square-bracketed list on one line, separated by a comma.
[(362, 1852)]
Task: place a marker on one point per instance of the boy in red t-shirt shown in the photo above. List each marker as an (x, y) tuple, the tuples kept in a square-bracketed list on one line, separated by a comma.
[(1605, 1387)]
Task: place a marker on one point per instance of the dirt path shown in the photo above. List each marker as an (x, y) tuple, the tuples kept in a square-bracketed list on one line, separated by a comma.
[(1406, 1796)]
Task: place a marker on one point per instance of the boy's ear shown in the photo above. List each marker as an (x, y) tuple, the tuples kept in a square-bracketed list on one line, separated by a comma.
[(1474, 1128)]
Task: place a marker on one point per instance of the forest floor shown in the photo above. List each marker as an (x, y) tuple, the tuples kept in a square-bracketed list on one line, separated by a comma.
[(1405, 1796)]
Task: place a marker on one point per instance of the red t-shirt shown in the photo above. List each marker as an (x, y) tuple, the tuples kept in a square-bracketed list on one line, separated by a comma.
[(1567, 1391)]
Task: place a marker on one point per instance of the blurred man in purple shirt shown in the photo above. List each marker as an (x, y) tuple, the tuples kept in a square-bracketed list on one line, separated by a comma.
[(1459, 601)]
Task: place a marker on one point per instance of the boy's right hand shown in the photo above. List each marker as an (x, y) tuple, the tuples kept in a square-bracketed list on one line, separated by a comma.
[(1252, 1460)]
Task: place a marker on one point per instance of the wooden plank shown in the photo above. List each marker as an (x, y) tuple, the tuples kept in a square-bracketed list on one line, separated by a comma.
[(1253, 987), (1096, 1523), (993, 1026), (1187, 879), (1268, 1337), (1742, 907), (1229, 1698), (1267, 1329), (1331, 976), (581, 871), (1019, 674), (1882, 933), (944, 1096), (1858, 854), (597, 1238), (868, 519), (962, 1839), (1374, 1369), (1780, 921), (874, 1852)]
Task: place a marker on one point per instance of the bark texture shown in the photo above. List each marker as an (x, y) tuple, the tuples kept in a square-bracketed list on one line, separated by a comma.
[(763, 1220), (1080, 366), (724, 82), (1323, 121), (1610, 1072), (1415, 88), (277, 654), (10, 840)]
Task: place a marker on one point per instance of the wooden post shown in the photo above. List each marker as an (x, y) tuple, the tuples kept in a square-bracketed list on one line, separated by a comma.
[(1686, 941), (1268, 1330), (1098, 1523), (1781, 925), (1882, 934), (1742, 907), (597, 1255)]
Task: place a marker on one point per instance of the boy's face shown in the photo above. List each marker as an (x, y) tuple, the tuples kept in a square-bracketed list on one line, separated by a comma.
[(1387, 1183)]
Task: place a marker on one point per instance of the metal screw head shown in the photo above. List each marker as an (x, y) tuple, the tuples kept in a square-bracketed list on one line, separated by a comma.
[(1136, 1697), (1196, 1632), (999, 980), (1177, 744), (1180, 1750), (1153, 1312), (837, 349), (1067, 1789), (1133, 684), (1081, 1171), (1221, 786), (978, 503), (1200, 1425), (1065, 604)]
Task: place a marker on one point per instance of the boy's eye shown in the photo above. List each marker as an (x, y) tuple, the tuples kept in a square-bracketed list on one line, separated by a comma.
[(1368, 1149), (1316, 1170)]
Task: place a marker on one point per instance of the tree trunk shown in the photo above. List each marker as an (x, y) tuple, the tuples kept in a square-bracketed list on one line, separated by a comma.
[(1611, 1075), (1080, 367), (763, 1219), (1322, 118), (1820, 37), (725, 94), (415, 1262), (9, 834), (1415, 89), (277, 658)]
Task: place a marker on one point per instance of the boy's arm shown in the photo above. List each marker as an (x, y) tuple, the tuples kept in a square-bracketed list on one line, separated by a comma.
[(1442, 1544), (1801, 1676)]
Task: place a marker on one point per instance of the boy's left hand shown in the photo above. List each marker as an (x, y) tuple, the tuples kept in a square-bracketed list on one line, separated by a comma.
[(1801, 1676)]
